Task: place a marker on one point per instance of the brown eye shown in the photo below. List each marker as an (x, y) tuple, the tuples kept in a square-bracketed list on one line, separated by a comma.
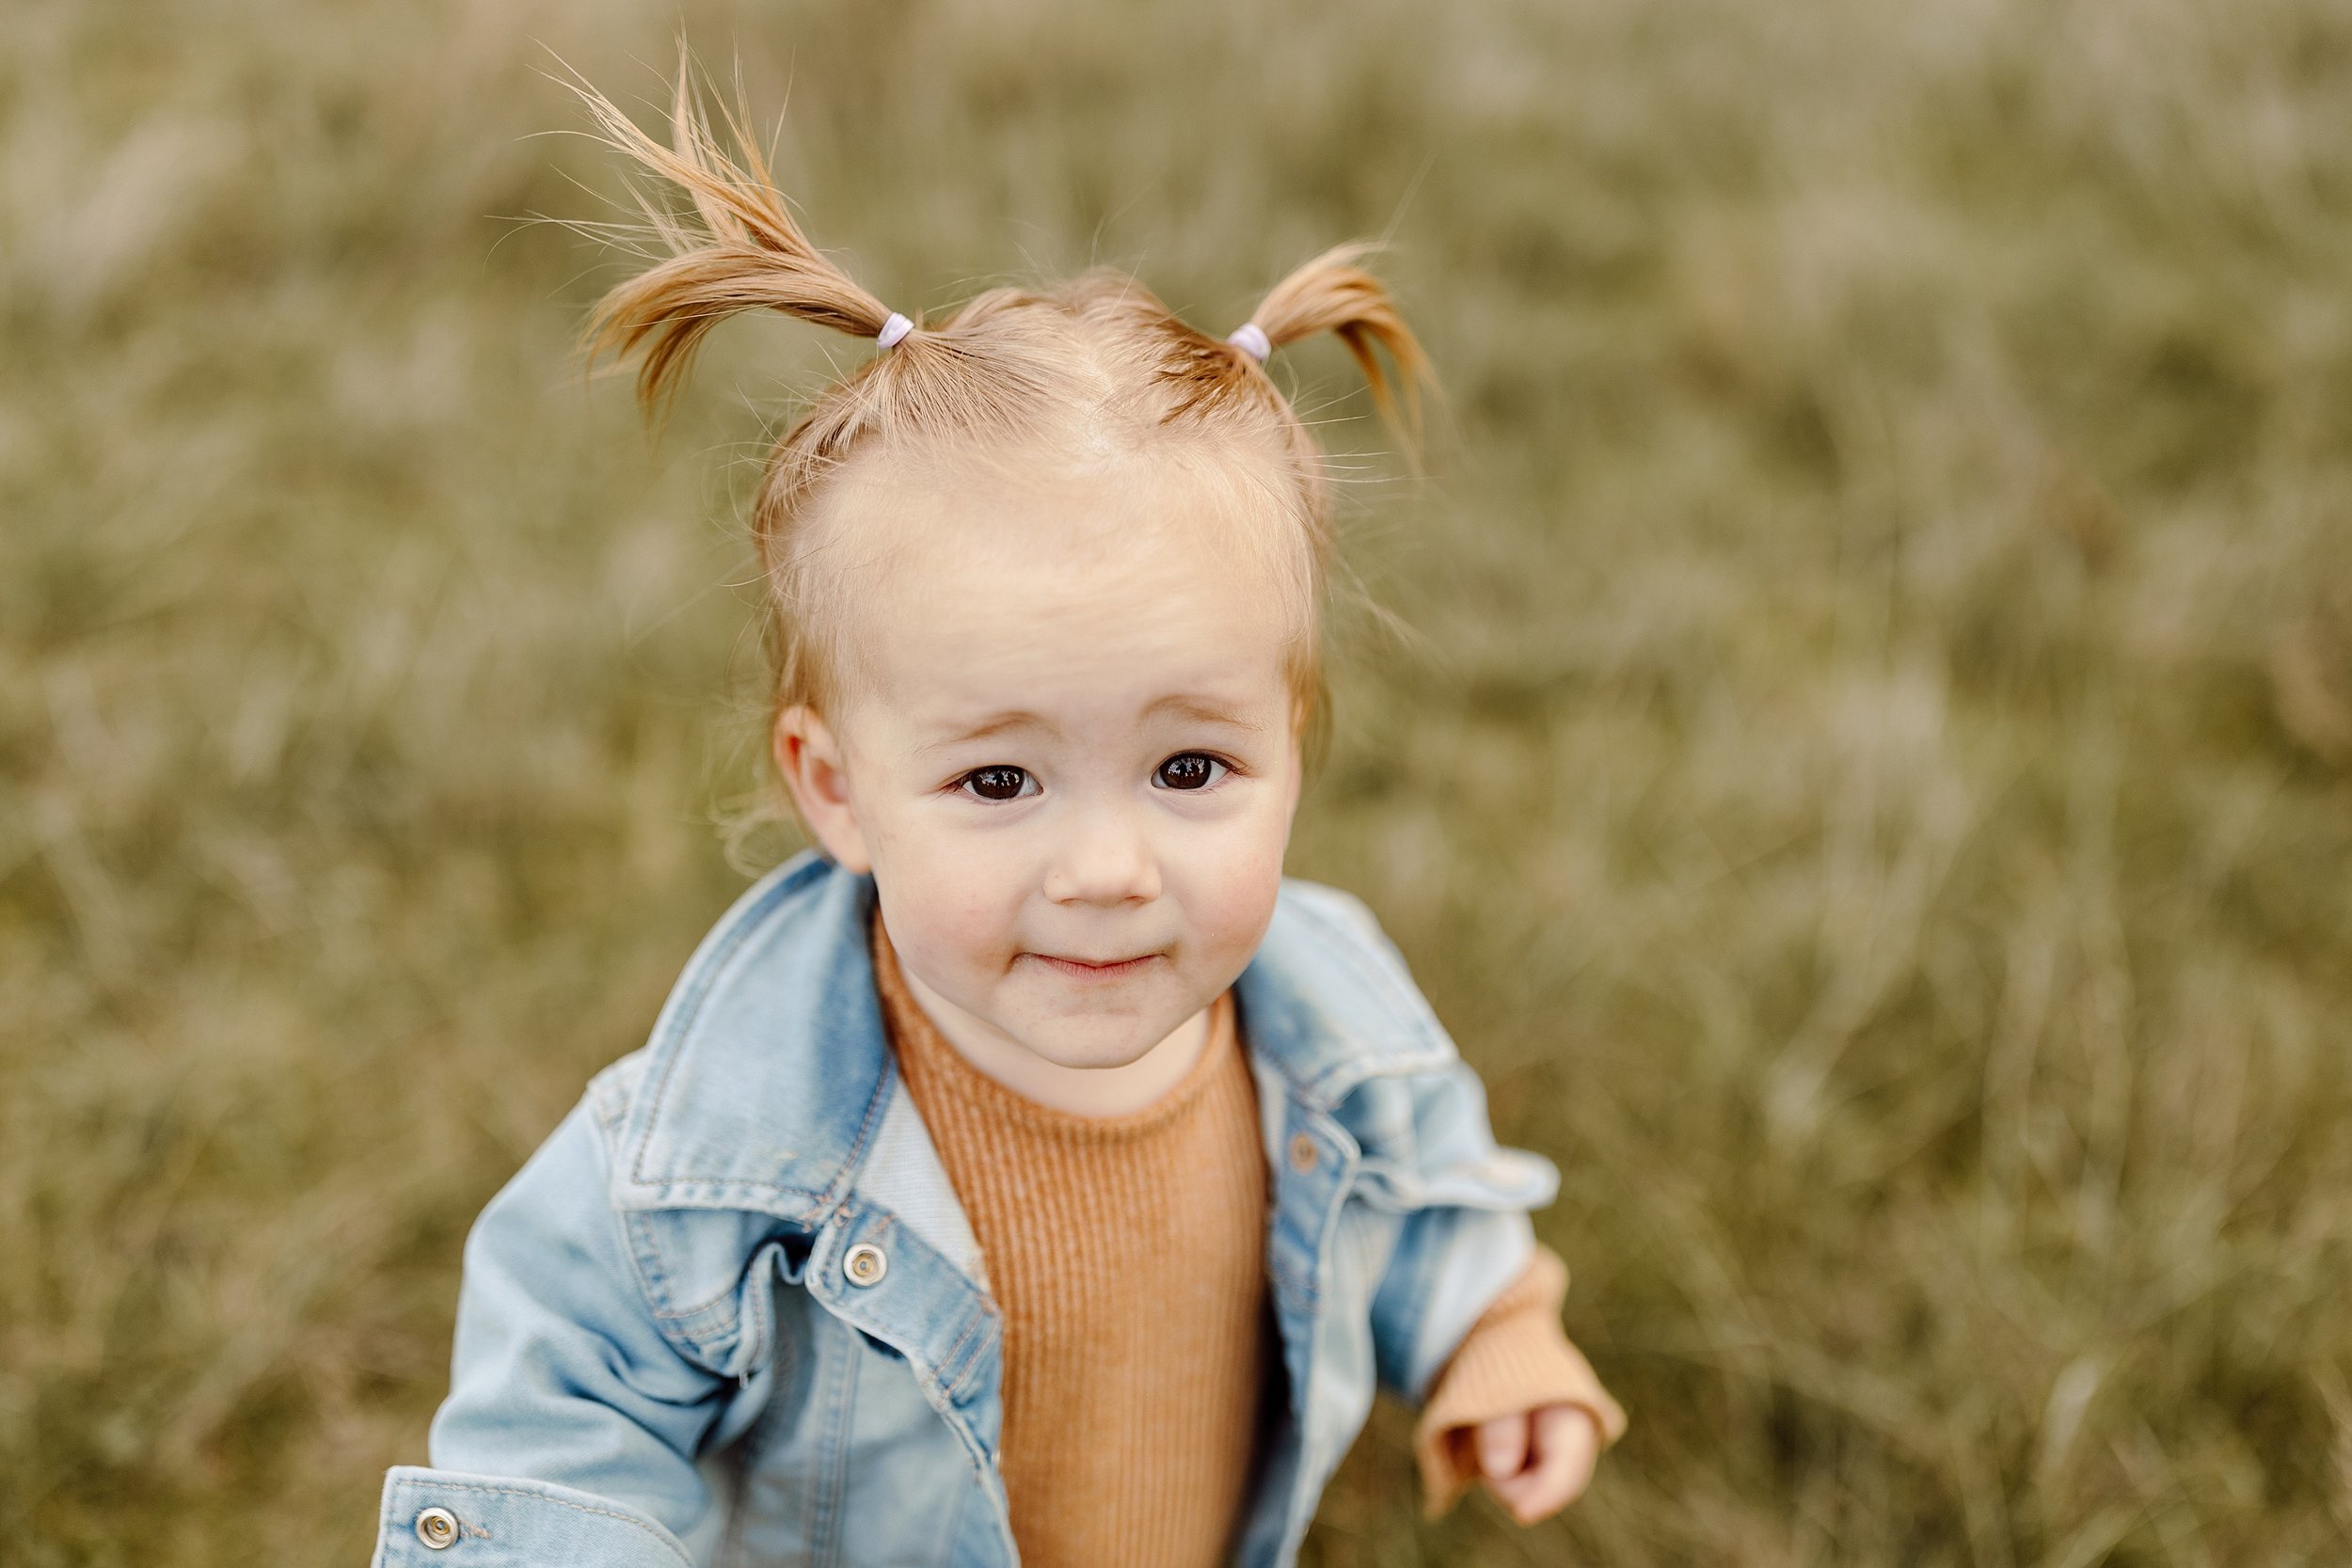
[(1189, 770), (997, 783)]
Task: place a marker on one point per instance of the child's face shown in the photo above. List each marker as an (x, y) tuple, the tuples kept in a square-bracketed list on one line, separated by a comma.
[(1069, 757)]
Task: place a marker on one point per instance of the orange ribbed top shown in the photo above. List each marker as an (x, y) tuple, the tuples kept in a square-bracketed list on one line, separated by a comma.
[(1127, 1254)]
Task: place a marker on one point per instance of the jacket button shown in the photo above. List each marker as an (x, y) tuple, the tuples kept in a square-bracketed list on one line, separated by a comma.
[(437, 1528), (1304, 1155), (864, 1264)]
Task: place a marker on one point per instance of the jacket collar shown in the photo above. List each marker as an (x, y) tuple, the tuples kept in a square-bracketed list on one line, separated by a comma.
[(768, 1072)]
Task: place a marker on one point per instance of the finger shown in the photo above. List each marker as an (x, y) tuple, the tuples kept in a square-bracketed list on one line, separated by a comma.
[(1502, 1444), (1566, 1444), (1572, 1429)]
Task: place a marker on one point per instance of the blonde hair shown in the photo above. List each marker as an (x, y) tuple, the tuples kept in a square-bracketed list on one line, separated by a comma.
[(1011, 369)]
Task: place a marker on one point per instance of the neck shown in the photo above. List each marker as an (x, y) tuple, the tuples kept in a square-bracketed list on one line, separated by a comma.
[(1084, 1091)]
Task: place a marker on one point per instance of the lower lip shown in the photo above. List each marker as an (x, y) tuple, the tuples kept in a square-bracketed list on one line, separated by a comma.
[(1095, 971)]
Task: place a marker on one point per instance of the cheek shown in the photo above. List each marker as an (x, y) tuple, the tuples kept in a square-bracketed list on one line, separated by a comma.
[(944, 899), (1230, 889)]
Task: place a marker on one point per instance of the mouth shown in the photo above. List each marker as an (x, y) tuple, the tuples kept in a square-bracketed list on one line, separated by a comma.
[(1086, 969)]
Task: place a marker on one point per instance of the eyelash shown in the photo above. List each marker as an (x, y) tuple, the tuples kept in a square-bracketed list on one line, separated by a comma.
[(963, 785)]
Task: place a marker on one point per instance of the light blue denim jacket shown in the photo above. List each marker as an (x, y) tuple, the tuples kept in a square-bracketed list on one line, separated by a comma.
[(663, 1359)]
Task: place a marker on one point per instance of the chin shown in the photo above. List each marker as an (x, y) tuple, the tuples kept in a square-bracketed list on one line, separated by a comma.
[(1121, 1049)]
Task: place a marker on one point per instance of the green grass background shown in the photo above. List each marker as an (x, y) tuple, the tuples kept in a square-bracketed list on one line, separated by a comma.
[(1872, 788)]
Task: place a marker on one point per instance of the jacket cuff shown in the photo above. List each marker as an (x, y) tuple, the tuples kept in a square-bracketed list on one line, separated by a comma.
[(1515, 1358), (451, 1519)]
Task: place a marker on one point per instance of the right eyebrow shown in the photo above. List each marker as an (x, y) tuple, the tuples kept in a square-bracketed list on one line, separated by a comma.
[(1012, 719)]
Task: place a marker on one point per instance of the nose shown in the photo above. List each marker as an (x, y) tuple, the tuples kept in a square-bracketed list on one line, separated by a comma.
[(1102, 858)]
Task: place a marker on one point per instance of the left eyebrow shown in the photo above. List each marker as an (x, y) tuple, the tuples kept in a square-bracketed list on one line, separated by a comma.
[(1203, 711)]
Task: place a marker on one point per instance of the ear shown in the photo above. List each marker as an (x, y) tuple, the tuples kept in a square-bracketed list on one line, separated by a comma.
[(815, 770)]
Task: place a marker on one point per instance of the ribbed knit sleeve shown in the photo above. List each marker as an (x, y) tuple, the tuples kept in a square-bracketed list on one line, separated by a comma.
[(1515, 1358)]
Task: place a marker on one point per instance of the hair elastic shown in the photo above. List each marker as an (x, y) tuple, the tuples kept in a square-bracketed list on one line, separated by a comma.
[(1251, 340), (892, 330)]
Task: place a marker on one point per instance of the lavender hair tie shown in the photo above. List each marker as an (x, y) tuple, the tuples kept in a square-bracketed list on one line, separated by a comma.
[(1251, 340)]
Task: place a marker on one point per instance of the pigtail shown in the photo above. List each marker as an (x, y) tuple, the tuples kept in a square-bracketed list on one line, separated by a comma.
[(1332, 294), (1015, 376), (748, 254)]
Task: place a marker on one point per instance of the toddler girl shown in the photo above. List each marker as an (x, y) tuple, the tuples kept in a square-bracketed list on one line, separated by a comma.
[(1034, 1174)]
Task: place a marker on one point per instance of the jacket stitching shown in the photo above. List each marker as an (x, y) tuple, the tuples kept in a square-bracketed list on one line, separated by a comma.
[(826, 1511), (645, 1262), (953, 1373), (628, 1519), (844, 1179), (644, 1259)]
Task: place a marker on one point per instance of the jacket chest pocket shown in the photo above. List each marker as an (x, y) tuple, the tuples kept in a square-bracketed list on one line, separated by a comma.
[(831, 1473)]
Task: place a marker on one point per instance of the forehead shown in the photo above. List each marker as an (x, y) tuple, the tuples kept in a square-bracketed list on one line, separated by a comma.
[(1093, 592)]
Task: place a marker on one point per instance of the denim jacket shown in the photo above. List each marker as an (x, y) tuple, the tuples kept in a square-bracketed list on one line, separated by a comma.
[(731, 1311)]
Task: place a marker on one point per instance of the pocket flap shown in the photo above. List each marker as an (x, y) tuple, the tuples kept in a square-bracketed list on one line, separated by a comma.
[(1505, 1178)]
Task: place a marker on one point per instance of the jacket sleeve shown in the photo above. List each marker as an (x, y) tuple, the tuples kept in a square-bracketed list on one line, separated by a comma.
[(1464, 1237), (572, 1423)]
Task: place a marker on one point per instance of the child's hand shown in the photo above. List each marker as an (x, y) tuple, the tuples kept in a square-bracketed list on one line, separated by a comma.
[(1537, 1461)]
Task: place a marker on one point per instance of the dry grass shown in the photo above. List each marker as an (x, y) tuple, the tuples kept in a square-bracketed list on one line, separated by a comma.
[(1876, 798)]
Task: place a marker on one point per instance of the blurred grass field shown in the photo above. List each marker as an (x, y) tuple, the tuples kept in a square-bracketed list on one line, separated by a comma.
[(1872, 790)]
